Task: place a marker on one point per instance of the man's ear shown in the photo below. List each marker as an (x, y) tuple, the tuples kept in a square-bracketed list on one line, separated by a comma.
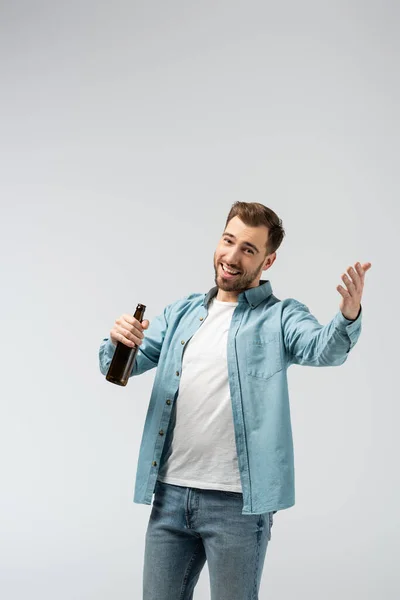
[(269, 261)]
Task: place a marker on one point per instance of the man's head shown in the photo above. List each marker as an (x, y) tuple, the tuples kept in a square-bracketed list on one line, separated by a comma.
[(248, 245)]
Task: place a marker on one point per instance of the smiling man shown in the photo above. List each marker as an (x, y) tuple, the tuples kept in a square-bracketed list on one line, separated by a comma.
[(242, 254), (217, 448)]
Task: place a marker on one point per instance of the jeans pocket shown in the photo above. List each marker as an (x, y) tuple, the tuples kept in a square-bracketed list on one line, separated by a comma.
[(234, 494), (157, 487)]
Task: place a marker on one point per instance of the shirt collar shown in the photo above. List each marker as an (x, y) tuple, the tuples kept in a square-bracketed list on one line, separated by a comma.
[(253, 296)]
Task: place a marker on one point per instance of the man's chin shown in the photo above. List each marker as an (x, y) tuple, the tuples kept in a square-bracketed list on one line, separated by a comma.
[(227, 286)]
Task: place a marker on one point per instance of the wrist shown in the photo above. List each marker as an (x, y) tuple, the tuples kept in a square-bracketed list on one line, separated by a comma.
[(352, 316)]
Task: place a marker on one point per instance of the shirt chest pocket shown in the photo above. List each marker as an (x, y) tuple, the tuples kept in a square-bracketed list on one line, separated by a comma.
[(263, 356)]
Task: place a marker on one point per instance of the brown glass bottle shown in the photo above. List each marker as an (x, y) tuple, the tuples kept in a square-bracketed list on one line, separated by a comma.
[(124, 356)]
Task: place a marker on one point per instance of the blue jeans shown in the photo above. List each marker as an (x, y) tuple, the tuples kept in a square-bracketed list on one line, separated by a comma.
[(188, 526)]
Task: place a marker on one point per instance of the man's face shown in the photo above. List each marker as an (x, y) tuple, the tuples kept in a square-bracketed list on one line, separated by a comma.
[(241, 248)]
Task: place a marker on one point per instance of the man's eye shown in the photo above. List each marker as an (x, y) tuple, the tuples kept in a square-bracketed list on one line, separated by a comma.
[(229, 241)]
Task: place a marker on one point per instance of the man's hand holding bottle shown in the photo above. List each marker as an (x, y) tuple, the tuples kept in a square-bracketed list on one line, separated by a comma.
[(128, 330)]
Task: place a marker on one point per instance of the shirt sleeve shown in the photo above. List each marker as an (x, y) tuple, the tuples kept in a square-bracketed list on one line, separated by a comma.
[(308, 342)]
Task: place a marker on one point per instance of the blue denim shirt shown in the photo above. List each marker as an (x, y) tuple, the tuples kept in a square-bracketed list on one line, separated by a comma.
[(266, 336)]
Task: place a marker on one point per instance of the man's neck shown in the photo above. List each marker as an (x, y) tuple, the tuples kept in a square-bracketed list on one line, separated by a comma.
[(223, 296)]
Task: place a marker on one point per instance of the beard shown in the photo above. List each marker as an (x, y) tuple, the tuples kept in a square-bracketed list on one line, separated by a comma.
[(239, 283)]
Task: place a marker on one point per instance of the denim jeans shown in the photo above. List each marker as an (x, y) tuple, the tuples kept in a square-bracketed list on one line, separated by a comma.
[(188, 526)]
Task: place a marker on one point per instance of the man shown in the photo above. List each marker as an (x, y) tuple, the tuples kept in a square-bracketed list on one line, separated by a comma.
[(217, 447)]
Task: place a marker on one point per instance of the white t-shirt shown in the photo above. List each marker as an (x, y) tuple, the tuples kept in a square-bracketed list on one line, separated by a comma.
[(203, 445)]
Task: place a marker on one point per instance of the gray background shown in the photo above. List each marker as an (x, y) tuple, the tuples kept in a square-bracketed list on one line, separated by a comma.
[(127, 131)]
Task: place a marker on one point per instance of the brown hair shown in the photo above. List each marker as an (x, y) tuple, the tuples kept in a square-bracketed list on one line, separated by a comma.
[(254, 214)]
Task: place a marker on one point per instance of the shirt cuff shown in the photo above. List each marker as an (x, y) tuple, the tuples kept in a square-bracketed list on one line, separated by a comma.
[(109, 348)]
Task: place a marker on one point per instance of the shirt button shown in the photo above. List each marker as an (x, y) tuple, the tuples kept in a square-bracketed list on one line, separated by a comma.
[(201, 318), (168, 401), (154, 463), (182, 342), (161, 432), (177, 373)]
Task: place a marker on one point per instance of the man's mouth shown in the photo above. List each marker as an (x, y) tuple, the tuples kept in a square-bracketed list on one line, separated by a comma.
[(229, 273)]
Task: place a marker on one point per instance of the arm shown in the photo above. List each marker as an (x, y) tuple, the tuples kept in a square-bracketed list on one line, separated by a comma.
[(314, 345), (308, 342)]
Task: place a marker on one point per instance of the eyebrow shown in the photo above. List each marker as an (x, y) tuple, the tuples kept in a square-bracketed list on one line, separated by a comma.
[(245, 243)]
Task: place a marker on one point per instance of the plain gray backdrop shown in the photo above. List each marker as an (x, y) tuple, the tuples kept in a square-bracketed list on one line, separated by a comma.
[(128, 129)]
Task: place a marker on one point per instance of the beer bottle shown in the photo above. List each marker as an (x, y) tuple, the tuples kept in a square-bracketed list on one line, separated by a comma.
[(124, 356)]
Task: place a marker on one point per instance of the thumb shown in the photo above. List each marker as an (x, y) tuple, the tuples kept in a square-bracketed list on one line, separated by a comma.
[(145, 323)]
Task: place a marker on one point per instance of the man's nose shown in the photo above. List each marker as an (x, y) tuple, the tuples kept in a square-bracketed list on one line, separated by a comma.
[(232, 257)]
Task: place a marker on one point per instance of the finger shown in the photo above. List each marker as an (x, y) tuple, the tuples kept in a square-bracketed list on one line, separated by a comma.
[(136, 335), (130, 335), (360, 272), (130, 323), (349, 284), (119, 337), (343, 292), (131, 320), (128, 318), (355, 277), (361, 269)]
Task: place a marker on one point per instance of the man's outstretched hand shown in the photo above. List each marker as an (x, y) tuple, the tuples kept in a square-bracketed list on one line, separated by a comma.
[(350, 303)]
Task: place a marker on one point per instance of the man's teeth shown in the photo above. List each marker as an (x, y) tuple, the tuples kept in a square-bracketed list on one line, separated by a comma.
[(229, 271)]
